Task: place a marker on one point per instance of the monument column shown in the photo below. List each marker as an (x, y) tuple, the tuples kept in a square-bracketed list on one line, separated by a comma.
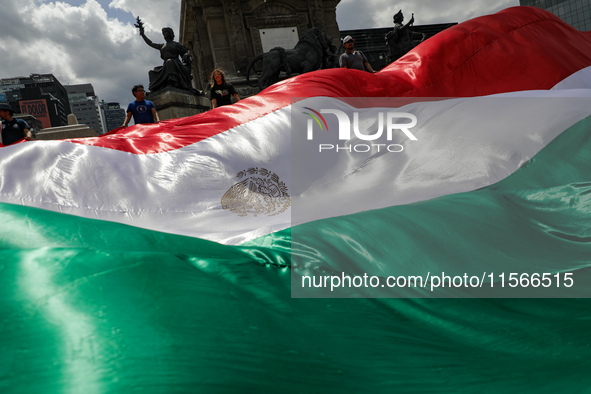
[(219, 38), (237, 34), (192, 34), (317, 13), (229, 33)]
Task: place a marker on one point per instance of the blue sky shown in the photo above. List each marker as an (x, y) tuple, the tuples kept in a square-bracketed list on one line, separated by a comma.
[(112, 12)]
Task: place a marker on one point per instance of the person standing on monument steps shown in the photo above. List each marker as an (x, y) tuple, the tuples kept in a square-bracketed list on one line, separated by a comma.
[(352, 58), (142, 110), (221, 91)]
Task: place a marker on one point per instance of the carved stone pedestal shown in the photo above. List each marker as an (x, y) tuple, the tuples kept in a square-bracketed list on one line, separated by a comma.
[(174, 103), (63, 132)]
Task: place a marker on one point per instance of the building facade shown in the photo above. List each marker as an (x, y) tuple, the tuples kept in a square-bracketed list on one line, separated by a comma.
[(39, 95), (576, 13), (85, 105), (114, 115)]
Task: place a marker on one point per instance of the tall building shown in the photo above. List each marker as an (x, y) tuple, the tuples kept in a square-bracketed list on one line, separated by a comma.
[(85, 105), (576, 13), (114, 115), (40, 95)]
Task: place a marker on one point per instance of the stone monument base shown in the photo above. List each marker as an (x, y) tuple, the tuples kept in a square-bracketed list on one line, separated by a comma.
[(63, 132), (243, 89), (174, 103)]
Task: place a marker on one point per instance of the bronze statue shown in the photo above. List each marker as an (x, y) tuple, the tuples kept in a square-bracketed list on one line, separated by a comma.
[(173, 72), (314, 51), (402, 39)]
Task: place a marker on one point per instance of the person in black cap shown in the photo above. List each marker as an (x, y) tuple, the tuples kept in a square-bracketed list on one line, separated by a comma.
[(352, 58), (13, 130)]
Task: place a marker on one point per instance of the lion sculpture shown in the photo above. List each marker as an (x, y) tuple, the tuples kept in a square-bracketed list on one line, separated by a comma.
[(314, 51)]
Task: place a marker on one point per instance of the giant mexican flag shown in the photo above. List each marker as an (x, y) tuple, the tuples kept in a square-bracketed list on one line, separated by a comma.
[(159, 258)]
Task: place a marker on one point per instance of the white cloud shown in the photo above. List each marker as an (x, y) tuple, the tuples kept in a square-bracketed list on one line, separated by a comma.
[(155, 13), (81, 44)]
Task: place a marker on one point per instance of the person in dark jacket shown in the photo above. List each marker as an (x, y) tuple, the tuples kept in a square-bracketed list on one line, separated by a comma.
[(13, 130)]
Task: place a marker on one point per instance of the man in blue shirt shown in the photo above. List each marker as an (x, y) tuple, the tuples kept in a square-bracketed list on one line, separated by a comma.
[(13, 130), (143, 111)]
